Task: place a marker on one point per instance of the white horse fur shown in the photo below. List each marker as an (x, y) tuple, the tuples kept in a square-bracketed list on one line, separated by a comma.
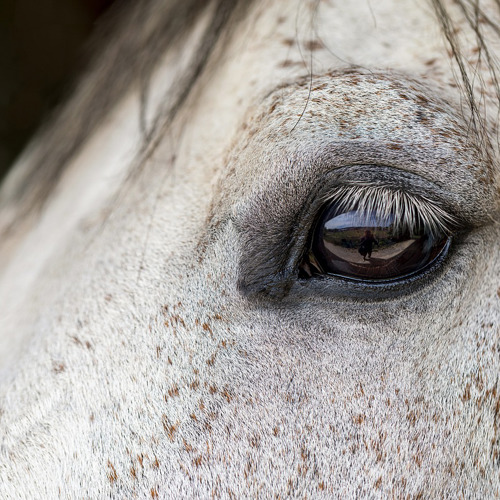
[(156, 340)]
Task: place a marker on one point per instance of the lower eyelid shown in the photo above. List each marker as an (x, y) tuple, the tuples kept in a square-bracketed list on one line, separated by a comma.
[(331, 287), (438, 256), (451, 270)]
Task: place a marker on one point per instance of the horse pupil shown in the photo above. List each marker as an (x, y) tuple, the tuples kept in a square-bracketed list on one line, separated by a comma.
[(371, 246)]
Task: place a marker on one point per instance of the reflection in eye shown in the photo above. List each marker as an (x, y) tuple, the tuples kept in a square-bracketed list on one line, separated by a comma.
[(382, 237)]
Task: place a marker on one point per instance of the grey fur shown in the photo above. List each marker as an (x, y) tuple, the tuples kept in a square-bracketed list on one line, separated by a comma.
[(175, 352)]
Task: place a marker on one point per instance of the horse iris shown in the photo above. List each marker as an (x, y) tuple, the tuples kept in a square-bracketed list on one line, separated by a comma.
[(371, 246)]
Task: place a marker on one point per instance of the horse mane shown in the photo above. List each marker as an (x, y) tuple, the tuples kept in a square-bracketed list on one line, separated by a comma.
[(132, 38), (483, 28)]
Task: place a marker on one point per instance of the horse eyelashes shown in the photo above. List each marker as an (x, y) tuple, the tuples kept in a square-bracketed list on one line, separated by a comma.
[(376, 234), (405, 209)]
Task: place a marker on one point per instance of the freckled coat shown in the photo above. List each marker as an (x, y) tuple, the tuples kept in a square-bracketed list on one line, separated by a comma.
[(156, 340)]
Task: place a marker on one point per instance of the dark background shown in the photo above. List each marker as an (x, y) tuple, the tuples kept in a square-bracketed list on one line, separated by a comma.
[(42, 49)]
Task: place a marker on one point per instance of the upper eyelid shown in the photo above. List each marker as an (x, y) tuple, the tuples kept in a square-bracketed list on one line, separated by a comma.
[(388, 120)]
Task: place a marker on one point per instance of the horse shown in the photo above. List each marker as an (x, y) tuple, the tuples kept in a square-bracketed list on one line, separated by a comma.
[(184, 310)]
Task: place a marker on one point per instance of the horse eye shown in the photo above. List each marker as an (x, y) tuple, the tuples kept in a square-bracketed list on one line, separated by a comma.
[(370, 246)]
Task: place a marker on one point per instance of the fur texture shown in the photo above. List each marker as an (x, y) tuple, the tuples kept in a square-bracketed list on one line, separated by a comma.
[(156, 339)]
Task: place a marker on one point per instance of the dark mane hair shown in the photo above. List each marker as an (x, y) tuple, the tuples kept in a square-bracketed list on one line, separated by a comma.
[(134, 36), (469, 79), (140, 34)]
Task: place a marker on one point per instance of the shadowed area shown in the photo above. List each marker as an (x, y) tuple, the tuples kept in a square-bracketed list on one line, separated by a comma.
[(41, 46)]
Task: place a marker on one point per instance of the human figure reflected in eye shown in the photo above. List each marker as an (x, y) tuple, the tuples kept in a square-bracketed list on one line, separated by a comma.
[(366, 244)]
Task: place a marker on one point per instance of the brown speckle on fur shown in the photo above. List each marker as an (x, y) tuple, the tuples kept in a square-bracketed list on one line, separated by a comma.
[(112, 475), (58, 367), (170, 428), (313, 45)]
